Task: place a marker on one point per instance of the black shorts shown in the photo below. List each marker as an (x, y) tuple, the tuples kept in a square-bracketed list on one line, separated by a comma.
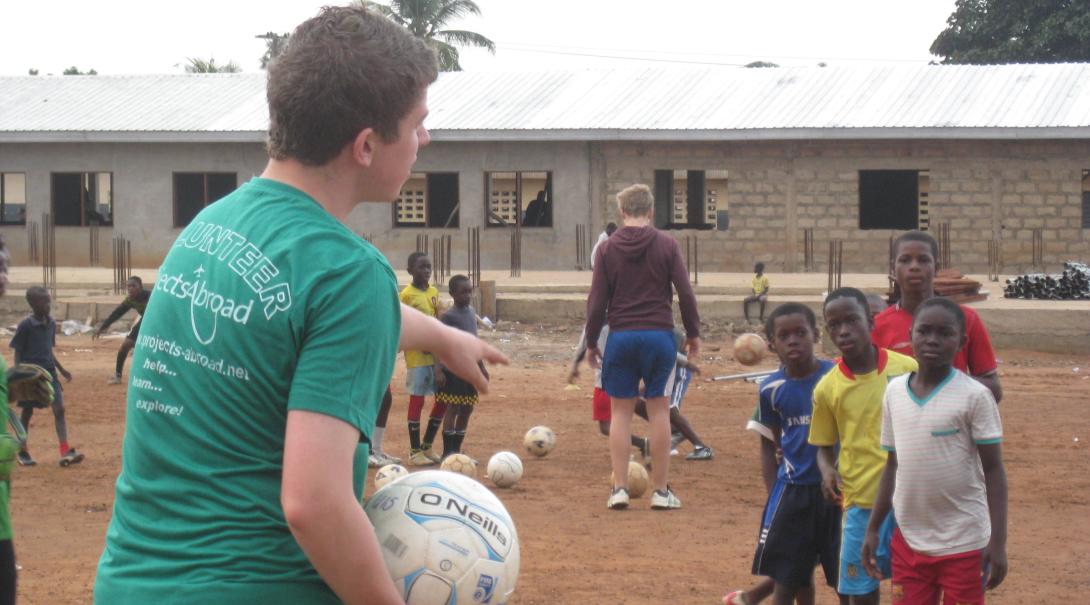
[(799, 529), (134, 331)]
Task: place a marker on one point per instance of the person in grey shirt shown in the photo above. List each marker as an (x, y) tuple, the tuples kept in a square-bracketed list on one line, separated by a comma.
[(458, 395)]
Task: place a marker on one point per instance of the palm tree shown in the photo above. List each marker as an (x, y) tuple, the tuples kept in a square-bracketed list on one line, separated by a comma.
[(426, 20), (201, 66)]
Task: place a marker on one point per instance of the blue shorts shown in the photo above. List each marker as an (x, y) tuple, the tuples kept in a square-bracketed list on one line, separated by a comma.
[(420, 380), (853, 577), (638, 355)]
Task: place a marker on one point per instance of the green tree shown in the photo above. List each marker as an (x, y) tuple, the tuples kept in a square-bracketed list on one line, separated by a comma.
[(201, 66), (74, 71), (427, 19), (1015, 31), (32, 71), (761, 64), (274, 45)]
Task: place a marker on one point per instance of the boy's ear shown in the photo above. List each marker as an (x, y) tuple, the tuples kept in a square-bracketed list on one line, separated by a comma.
[(363, 147), (964, 341)]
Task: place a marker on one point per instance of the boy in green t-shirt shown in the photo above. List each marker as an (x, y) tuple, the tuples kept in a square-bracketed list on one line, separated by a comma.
[(255, 384)]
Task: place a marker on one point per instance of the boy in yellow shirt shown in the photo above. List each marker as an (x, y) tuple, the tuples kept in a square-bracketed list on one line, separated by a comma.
[(422, 376), (847, 412), (759, 285)]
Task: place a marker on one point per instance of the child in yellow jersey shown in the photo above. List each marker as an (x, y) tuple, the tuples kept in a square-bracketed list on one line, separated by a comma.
[(759, 286), (847, 413), (421, 375)]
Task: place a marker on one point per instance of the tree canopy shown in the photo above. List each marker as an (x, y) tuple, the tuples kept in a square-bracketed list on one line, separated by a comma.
[(427, 20), (1015, 31), (274, 45), (202, 66), (74, 71)]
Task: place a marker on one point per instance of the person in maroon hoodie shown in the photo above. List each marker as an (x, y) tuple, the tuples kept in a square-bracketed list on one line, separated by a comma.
[(633, 273)]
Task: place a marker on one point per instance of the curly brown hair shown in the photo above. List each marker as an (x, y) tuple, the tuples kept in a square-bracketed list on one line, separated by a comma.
[(344, 70)]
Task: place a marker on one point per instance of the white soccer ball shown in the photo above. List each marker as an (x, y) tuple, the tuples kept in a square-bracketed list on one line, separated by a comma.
[(539, 440), (388, 473), (749, 349), (445, 539), (460, 463), (504, 469)]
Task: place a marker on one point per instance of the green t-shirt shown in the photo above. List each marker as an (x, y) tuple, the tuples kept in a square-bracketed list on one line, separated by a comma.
[(264, 304)]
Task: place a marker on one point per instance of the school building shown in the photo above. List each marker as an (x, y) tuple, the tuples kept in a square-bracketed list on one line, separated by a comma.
[(751, 164)]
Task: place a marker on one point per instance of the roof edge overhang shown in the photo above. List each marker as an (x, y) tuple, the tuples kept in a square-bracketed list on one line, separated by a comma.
[(588, 135), (130, 136), (766, 134)]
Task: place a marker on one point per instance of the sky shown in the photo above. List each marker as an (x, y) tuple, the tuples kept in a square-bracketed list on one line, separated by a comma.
[(127, 36)]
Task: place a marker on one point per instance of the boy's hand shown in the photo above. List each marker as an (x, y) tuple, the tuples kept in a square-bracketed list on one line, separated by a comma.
[(692, 347), (96, 334), (594, 358), (695, 369), (67, 375), (870, 555), (994, 565), (830, 486)]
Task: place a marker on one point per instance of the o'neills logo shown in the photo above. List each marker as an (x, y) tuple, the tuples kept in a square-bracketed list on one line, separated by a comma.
[(434, 502)]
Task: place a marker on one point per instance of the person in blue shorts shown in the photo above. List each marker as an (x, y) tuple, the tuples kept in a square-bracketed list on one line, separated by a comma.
[(633, 273)]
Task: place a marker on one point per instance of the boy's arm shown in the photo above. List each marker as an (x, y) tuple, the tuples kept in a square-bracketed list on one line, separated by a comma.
[(769, 468), (323, 513), (112, 317), (686, 302), (883, 502), (580, 353), (458, 351), (981, 357), (67, 375), (995, 481), (830, 477), (991, 380)]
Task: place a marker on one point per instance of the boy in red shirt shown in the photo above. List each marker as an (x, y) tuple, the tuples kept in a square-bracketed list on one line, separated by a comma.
[(914, 271)]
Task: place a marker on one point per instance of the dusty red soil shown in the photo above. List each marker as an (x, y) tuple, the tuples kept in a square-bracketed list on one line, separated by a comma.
[(573, 549)]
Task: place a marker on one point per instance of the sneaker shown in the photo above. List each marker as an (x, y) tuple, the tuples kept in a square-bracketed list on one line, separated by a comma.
[(417, 458), (664, 500), (618, 500), (388, 459), (430, 455), (674, 452), (737, 597), (374, 461), (701, 453), (25, 459), (71, 457), (115, 379)]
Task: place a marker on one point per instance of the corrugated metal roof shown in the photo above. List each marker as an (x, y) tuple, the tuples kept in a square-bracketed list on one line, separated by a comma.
[(939, 101)]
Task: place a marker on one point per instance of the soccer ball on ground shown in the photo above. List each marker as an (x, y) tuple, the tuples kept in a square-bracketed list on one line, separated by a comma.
[(445, 539), (539, 440), (638, 481), (749, 349), (460, 463), (504, 469), (388, 473)]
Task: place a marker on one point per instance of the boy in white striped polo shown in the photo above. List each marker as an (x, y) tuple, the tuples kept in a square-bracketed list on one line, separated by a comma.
[(944, 475)]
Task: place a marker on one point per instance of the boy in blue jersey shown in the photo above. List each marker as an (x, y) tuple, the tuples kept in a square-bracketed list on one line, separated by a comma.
[(799, 526)]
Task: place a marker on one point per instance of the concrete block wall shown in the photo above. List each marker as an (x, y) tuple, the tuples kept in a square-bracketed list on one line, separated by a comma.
[(776, 190)]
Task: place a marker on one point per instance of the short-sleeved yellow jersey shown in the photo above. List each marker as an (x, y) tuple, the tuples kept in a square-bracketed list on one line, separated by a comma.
[(759, 284), (427, 302), (848, 411)]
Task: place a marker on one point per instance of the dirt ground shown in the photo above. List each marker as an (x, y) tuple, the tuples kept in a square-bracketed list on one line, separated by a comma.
[(573, 549)]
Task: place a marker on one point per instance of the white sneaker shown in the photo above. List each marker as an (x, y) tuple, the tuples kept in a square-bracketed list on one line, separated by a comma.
[(618, 500), (388, 459), (665, 500), (374, 461), (115, 379)]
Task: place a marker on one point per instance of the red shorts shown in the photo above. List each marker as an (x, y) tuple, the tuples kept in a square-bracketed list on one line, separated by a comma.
[(602, 409), (919, 579)]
